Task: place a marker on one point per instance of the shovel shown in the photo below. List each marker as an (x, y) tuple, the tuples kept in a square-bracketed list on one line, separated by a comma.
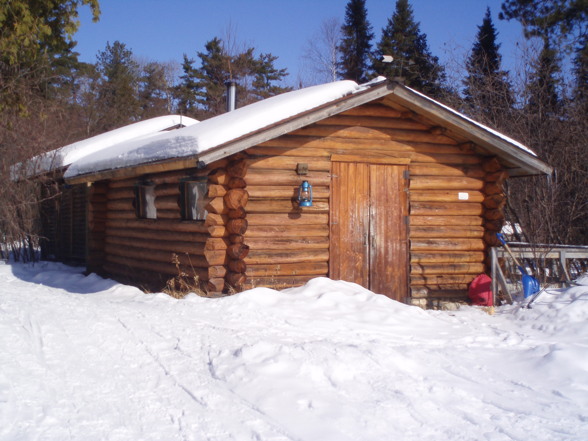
[(530, 284)]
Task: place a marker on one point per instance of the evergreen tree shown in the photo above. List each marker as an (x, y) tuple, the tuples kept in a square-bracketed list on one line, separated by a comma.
[(413, 61), (487, 92), (543, 98), (117, 94), (185, 91), (256, 77), (155, 90), (355, 47)]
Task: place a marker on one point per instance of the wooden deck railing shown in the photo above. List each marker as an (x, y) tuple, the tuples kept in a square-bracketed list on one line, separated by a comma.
[(551, 265)]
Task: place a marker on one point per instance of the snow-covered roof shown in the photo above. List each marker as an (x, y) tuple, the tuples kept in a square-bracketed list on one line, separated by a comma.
[(215, 131), (234, 131), (65, 156)]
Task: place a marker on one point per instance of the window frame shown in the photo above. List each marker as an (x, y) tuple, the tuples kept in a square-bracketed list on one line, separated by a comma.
[(193, 198)]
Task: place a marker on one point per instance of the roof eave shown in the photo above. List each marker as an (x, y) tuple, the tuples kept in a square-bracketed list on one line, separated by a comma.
[(520, 162)]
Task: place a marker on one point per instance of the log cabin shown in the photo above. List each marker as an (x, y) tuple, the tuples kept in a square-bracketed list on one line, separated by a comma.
[(63, 208), (407, 195)]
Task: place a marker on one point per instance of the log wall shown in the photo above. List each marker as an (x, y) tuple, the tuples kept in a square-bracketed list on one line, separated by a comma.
[(455, 200), (142, 250)]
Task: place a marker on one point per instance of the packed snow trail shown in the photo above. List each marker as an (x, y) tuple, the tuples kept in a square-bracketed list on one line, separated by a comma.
[(84, 358)]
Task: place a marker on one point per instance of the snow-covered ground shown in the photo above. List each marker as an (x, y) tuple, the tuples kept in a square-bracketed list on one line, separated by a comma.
[(83, 358)]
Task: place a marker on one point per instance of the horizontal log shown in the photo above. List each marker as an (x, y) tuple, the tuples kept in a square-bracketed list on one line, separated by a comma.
[(418, 134), (289, 163), (167, 202), (424, 292), (444, 183), (443, 170), (447, 231), (276, 282), (440, 280), (129, 262), (215, 219), (319, 154), (446, 244), (286, 178), (271, 242), (284, 192), (285, 206), (125, 214), (303, 218), (445, 196), (257, 257), (446, 257), (121, 205), (153, 244), (288, 269), (169, 214), (374, 110), (150, 234), (210, 258), (445, 209), (164, 225), (293, 230), (454, 268), (445, 220)]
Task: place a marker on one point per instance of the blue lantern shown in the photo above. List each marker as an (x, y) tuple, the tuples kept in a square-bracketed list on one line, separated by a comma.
[(305, 194)]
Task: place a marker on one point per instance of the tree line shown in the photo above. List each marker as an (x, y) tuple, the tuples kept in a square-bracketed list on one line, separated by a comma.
[(48, 98)]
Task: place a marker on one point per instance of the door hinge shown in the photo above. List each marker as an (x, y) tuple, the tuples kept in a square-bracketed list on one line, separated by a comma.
[(406, 174), (406, 220)]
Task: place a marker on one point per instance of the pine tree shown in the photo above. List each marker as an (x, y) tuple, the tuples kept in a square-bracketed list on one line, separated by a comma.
[(413, 62), (580, 70), (488, 94), (543, 98), (155, 90), (185, 91), (256, 77), (355, 47), (117, 94)]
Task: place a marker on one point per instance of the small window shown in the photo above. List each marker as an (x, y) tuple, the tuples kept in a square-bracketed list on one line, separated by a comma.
[(145, 201), (193, 199)]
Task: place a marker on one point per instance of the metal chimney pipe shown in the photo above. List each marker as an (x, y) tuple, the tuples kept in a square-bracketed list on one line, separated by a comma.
[(231, 95)]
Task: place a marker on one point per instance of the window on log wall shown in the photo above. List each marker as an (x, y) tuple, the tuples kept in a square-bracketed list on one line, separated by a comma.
[(193, 199), (145, 201)]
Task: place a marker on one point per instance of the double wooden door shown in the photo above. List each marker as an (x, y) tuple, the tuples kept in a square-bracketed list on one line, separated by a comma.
[(369, 237)]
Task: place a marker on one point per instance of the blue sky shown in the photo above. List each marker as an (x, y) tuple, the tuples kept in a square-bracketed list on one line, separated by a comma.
[(160, 30)]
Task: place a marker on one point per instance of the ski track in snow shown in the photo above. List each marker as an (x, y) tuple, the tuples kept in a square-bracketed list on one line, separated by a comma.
[(84, 358)]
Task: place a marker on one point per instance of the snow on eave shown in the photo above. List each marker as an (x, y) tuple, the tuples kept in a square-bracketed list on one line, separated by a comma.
[(217, 131), (521, 160), (476, 123), (66, 155)]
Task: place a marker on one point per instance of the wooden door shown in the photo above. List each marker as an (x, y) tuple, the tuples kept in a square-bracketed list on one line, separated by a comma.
[(368, 227)]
